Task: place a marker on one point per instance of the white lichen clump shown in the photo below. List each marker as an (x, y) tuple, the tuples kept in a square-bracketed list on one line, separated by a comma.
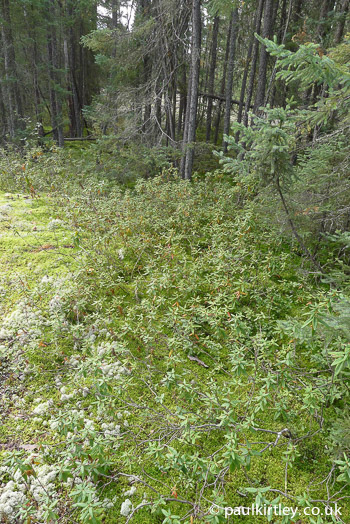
[(15, 493), (67, 396), (42, 408), (54, 224), (111, 429), (126, 508), (130, 492), (114, 369), (10, 500), (22, 322)]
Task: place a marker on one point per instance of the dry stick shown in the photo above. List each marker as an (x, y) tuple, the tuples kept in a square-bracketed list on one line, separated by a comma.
[(167, 499), (294, 230)]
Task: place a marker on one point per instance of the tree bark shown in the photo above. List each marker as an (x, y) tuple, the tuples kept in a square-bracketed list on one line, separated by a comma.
[(55, 102), (36, 88), (339, 31), (183, 101), (191, 113), (203, 80), (282, 33), (326, 6), (214, 45), (14, 109), (115, 7), (222, 90), (229, 79), (245, 73), (263, 58), (253, 63), (71, 45), (5, 124)]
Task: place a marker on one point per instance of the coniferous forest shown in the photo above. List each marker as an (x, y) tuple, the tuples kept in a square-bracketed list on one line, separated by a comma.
[(174, 261)]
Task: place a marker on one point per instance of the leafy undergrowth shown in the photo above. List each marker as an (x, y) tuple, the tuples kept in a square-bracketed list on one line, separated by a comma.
[(163, 355)]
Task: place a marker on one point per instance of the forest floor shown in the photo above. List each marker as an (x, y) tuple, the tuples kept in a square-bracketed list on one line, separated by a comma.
[(117, 319)]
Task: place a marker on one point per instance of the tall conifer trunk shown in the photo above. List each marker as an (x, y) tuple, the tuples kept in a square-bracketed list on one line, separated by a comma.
[(344, 9), (253, 63), (222, 89), (192, 95), (14, 109), (214, 45), (53, 65), (263, 58), (229, 79)]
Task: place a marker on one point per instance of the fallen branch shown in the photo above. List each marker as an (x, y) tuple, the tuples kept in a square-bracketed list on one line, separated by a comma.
[(196, 359), (80, 138), (221, 98)]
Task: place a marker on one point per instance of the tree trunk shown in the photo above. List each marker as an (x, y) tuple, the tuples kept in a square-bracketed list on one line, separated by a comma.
[(115, 7), (326, 6), (173, 131), (76, 119), (282, 33), (214, 45), (147, 71), (183, 101), (339, 31), (253, 64), (245, 73), (267, 28), (55, 102), (157, 124), (14, 109), (5, 124), (229, 79), (36, 88), (222, 89), (191, 113), (297, 14), (203, 80)]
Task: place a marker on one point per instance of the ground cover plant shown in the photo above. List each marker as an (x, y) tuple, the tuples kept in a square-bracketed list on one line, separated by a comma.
[(174, 261), (164, 352)]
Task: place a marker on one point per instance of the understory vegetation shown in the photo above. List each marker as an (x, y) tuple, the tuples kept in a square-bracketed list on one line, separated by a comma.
[(166, 348), (174, 314)]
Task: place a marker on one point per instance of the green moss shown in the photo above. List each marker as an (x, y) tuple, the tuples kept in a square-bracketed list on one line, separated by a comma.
[(195, 278)]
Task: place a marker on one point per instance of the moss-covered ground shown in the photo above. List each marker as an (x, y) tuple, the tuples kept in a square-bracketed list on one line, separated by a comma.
[(145, 334)]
